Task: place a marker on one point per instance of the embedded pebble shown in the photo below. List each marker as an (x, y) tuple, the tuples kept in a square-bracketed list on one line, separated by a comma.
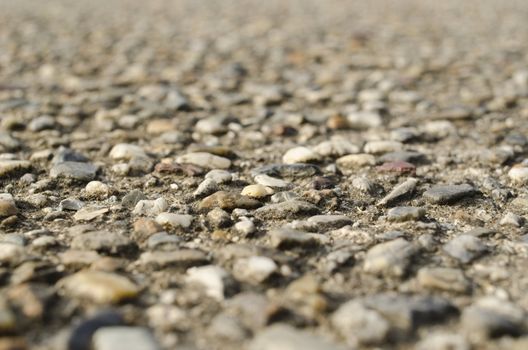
[(391, 258), (7, 205), (257, 191), (174, 220), (300, 155), (400, 214), (444, 194), (74, 170), (205, 160), (150, 207), (125, 151), (133, 338), (465, 248)]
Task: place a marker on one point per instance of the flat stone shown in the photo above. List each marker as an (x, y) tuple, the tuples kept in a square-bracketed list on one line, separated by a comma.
[(205, 160), (257, 191), (102, 241), (443, 278), (89, 213), (465, 248), (11, 254), (286, 209), (228, 201), (399, 192), (444, 194), (391, 258), (175, 258), (443, 341), (378, 147), (336, 147), (10, 168), (285, 337), (400, 214), (219, 176), (130, 338), (360, 325), (354, 161), (269, 181), (78, 258), (174, 220), (99, 287), (519, 174), (74, 171), (288, 171), (126, 151), (364, 120)]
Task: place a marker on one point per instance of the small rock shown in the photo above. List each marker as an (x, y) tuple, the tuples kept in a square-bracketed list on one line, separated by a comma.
[(7, 205), (132, 198), (97, 189), (269, 181), (397, 167), (300, 155), (465, 248), (102, 241), (125, 151), (257, 191), (10, 168), (511, 219), (400, 214), (378, 147), (285, 337), (443, 341), (336, 147), (360, 325), (89, 213), (354, 161), (245, 227), (214, 279), (444, 194), (219, 176), (443, 278), (74, 171), (391, 258), (174, 220), (285, 238), (151, 207), (364, 120), (81, 336), (491, 317), (255, 269), (519, 174), (404, 189), (205, 188), (218, 218), (99, 287), (205, 160), (174, 258), (130, 338), (228, 201)]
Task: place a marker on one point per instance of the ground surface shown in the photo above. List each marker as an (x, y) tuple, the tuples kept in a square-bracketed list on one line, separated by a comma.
[(386, 143)]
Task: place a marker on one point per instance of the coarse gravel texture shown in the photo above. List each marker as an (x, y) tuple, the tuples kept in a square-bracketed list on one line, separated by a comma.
[(263, 175)]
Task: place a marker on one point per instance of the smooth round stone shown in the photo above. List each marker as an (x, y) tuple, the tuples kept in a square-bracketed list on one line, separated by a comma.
[(159, 126), (174, 220), (214, 279), (100, 287), (206, 187), (245, 227), (519, 174), (41, 123), (400, 214), (265, 180), (336, 147), (205, 160), (151, 207), (127, 151), (300, 155), (7, 205), (257, 191), (364, 120), (71, 204), (97, 189)]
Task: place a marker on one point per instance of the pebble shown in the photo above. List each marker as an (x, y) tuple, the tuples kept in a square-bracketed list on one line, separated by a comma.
[(219, 176), (443, 278), (219, 218), (245, 227), (400, 214), (124, 337), (465, 248), (216, 280), (269, 181), (228, 201), (300, 155), (283, 197), (336, 147), (174, 258), (289, 171), (491, 317), (74, 171), (360, 325), (391, 258), (205, 160), (99, 287), (255, 269), (364, 120), (443, 341), (10, 168), (445, 194), (363, 184), (163, 241), (378, 147), (399, 192), (97, 189), (174, 220), (353, 161), (286, 209), (102, 241), (286, 238), (511, 219), (7, 205), (126, 151), (285, 337), (257, 191), (81, 336), (151, 207)]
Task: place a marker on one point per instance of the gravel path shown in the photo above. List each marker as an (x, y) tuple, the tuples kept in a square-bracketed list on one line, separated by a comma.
[(263, 175)]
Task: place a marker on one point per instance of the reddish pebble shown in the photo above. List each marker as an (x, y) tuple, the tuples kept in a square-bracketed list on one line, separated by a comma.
[(398, 166)]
